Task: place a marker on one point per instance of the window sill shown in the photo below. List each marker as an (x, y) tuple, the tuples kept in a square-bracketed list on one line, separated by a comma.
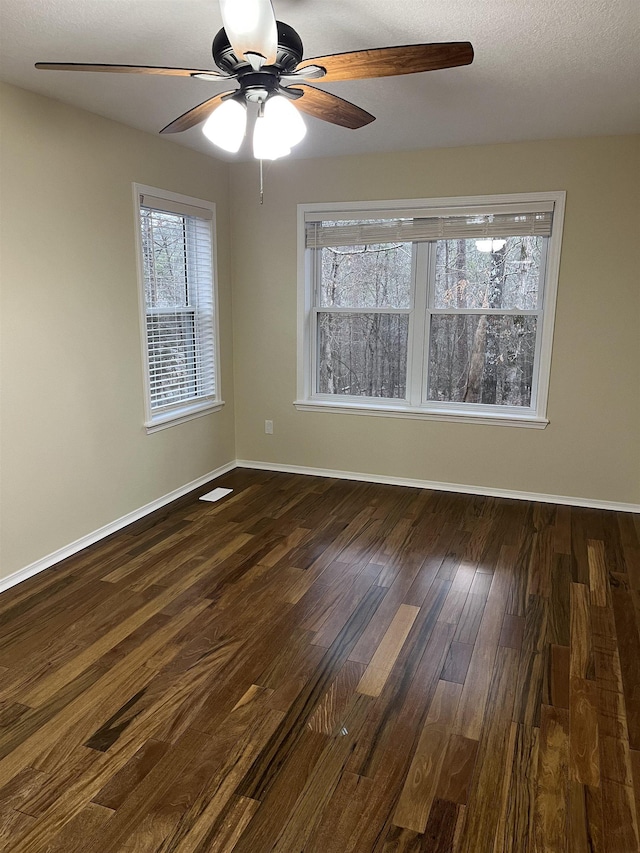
[(382, 410), (180, 416)]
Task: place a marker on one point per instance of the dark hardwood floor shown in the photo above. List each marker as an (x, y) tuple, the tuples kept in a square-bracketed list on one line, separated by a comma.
[(328, 666)]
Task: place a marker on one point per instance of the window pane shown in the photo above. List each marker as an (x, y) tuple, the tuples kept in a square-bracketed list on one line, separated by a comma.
[(488, 273), (165, 259), (479, 358), (363, 354), (172, 369), (376, 276)]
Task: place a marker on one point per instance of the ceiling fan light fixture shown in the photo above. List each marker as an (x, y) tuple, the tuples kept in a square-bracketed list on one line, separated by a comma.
[(226, 126), (251, 27), (268, 142), (281, 113)]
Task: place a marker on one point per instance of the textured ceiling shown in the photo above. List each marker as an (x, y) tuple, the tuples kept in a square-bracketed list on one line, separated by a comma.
[(543, 69)]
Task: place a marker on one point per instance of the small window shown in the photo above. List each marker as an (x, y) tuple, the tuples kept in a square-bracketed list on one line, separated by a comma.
[(178, 306), (441, 308)]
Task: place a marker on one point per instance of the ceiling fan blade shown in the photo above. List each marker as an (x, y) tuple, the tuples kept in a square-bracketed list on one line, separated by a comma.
[(251, 27), (128, 69), (390, 61), (331, 108), (195, 115)]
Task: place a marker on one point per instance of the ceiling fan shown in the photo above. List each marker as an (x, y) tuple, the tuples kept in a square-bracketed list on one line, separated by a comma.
[(265, 56)]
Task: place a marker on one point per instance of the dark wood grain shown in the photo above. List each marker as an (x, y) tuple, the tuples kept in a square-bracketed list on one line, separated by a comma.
[(125, 69), (390, 61), (328, 666), (329, 107)]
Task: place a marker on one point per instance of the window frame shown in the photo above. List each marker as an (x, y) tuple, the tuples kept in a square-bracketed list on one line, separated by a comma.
[(160, 418), (416, 404)]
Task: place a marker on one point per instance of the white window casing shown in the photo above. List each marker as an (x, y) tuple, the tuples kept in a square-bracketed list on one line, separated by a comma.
[(175, 239), (423, 223)]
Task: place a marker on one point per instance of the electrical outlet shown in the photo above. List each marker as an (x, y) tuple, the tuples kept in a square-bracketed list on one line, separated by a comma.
[(268, 427)]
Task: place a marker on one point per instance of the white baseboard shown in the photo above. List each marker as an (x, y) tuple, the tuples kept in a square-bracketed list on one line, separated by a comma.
[(114, 526), (441, 487), (108, 529)]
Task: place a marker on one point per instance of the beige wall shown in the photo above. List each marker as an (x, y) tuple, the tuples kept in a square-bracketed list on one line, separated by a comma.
[(590, 450), (75, 455)]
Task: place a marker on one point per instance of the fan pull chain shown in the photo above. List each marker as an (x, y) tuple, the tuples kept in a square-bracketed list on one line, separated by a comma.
[(261, 185)]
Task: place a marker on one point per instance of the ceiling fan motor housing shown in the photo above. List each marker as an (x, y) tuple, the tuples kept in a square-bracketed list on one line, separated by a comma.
[(287, 58)]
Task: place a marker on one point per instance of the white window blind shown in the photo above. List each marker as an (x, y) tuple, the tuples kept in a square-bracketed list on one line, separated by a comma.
[(320, 233), (177, 260)]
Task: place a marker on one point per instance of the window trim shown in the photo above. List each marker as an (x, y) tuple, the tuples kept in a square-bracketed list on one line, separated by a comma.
[(198, 407), (532, 417)]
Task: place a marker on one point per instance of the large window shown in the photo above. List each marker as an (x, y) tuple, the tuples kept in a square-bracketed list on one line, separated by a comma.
[(440, 308), (178, 306)]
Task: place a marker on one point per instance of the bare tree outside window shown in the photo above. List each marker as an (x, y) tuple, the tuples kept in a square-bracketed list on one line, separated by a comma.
[(170, 320), (481, 348), (364, 353), (484, 358)]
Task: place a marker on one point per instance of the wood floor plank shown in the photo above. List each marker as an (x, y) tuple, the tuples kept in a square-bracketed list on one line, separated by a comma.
[(329, 713), (476, 686), (378, 670), (580, 532), (441, 827), (581, 644), (456, 665), (471, 616), (329, 666), (628, 644), (619, 817), (585, 819), (482, 816), (231, 824), (78, 762), (597, 572), (540, 564), (345, 606), (418, 793), (323, 780), (584, 761), (559, 618), (552, 785), (278, 801), (558, 664), (562, 531), (456, 773), (92, 818), (118, 788), (512, 632), (334, 832), (531, 669), (515, 832)]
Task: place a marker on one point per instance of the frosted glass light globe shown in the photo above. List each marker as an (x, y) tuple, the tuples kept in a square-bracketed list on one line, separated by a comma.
[(281, 112), (226, 125), (268, 143)]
